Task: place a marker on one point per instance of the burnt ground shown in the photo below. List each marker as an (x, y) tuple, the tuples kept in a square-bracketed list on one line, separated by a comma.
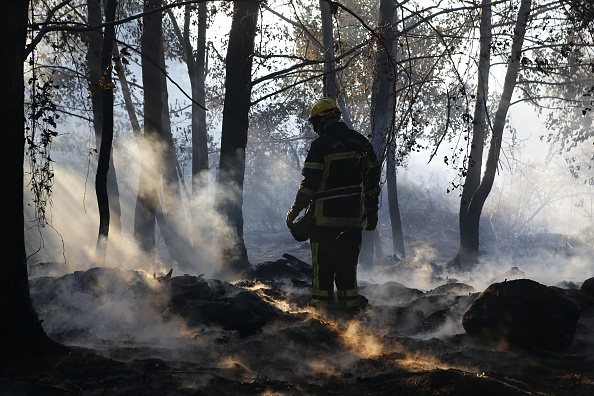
[(130, 332)]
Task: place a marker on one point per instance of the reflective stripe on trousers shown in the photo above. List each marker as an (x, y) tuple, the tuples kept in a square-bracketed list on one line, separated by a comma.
[(348, 298), (334, 260)]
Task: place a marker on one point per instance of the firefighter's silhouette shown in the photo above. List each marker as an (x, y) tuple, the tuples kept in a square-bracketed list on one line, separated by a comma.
[(341, 183)]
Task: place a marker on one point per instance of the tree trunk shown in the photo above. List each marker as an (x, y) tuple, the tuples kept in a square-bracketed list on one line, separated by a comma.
[(196, 72), (234, 132), (469, 241), (107, 130), (330, 81), (199, 133), (173, 224), (115, 224), (95, 37), (199, 129), (94, 12), (136, 131), (382, 119), (20, 328), (471, 208), (147, 201), (395, 221)]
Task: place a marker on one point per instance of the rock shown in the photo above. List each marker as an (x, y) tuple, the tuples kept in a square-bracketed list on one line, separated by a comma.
[(588, 287), (523, 313)]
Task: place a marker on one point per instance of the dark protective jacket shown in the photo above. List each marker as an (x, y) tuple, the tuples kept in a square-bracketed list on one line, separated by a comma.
[(340, 173)]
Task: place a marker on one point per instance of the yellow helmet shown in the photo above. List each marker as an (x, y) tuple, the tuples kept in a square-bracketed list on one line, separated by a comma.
[(324, 108)]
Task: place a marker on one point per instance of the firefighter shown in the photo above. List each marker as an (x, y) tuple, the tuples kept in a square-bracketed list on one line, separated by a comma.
[(341, 182)]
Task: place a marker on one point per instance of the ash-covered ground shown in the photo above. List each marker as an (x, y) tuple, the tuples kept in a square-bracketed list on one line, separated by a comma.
[(133, 332)]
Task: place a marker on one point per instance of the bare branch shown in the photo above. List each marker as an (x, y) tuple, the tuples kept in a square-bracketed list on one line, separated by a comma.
[(298, 25), (37, 39)]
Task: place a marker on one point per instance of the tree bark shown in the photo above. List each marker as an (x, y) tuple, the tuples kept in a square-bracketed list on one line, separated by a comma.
[(147, 200), (199, 133), (197, 73), (234, 132), (101, 182), (382, 119), (20, 328), (94, 13), (471, 208), (174, 219), (95, 39), (469, 240), (127, 94), (330, 81), (394, 208)]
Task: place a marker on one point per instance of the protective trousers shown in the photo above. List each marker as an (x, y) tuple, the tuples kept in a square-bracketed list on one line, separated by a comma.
[(335, 253)]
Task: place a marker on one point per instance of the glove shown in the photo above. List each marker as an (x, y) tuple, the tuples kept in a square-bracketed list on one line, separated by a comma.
[(292, 215), (371, 221)]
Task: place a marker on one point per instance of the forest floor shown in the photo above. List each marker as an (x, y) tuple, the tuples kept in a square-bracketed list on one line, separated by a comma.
[(129, 332)]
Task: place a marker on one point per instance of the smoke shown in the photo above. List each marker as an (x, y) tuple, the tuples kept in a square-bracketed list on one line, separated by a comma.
[(366, 345), (121, 314), (535, 219), (189, 232), (111, 308)]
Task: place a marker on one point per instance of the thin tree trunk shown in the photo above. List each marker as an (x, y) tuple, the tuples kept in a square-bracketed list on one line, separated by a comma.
[(330, 81), (481, 193), (20, 328), (382, 120), (94, 12), (115, 224), (147, 201), (469, 241), (199, 132), (330, 84), (199, 129), (196, 72), (126, 93), (174, 228), (234, 132), (107, 130), (395, 221)]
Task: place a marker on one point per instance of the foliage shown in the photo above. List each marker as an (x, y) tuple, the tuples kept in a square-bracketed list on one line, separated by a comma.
[(41, 129), (557, 76), (436, 76)]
